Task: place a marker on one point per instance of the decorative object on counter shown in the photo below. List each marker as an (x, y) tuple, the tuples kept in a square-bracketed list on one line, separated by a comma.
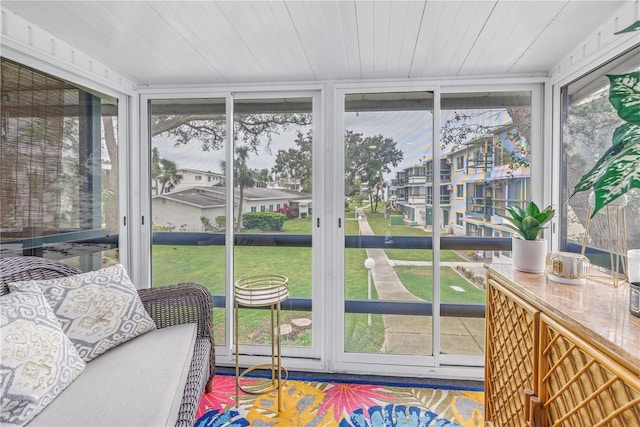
[(633, 274), (617, 241), (528, 251), (633, 264), (567, 267), (634, 299)]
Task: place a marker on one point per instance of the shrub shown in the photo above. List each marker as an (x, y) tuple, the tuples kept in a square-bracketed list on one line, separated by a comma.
[(358, 199), (288, 211), (206, 223), (263, 221), (167, 227), (221, 222)]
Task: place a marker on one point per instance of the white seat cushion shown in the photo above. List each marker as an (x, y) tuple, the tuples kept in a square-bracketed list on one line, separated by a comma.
[(138, 383)]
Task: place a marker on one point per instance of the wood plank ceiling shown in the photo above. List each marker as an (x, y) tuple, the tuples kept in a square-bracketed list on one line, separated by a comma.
[(159, 43)]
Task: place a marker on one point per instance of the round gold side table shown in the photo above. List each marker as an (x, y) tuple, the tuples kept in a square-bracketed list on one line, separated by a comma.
[(262, 291)]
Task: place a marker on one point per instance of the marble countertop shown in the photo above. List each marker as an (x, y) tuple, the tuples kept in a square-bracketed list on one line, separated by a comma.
[(595, 310)]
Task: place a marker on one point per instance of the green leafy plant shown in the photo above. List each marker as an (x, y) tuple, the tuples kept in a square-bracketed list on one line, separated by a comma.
[(633, 27), (529, 222), (264, 221), (618, 170)]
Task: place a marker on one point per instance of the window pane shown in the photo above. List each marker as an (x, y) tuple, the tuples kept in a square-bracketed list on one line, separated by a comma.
[(588, 123), (273, 166), (486, 156), (386, 136), (187, 210), (59, 180)]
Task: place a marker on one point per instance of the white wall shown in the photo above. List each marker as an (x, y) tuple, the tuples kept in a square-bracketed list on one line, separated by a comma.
[(600, 47), (183, 217)]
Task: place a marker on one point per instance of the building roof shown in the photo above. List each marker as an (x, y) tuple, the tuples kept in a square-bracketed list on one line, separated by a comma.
[(209, 197), (200, 197), (196, 171)]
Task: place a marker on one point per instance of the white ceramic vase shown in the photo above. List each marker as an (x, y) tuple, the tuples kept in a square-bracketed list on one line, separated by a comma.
[(529, 255)]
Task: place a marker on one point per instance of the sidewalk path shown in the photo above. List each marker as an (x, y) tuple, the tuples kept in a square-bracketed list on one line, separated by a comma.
[(402, 334), (411, 334)]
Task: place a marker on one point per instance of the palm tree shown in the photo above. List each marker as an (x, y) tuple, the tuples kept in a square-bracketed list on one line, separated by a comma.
[(242, 177), (155, 167), (168, 174)]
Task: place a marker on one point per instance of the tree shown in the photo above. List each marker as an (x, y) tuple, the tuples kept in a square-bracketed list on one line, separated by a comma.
[(262, 177), (110, 177), (242, 177), (210, 129), (364, 154), (367, 159), (464, 127), (155, 167), (373, 176), (296, 163), (164, 172)]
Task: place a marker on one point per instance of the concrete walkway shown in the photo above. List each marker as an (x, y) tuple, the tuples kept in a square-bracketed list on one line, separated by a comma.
[(413, 334)]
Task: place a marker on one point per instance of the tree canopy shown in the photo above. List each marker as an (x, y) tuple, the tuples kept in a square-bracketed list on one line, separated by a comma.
[(164, 172), (366, 155), (210, 130), (463, 128), (296, 163), (367, 159)]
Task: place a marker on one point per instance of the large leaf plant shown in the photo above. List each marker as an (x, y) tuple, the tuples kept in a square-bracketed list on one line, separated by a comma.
[(618, 170)]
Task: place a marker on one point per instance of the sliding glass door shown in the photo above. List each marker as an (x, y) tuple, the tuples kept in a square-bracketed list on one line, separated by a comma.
[(484, 167), (421, 217), (382, 228), (275, 215), (188, 202), (233, 196), (386, 136)]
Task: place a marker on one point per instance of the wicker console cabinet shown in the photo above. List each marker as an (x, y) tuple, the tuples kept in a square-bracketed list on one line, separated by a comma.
[(559, 355)]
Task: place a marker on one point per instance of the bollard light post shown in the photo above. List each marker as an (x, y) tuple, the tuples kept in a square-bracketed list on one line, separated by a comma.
[(369, 263)]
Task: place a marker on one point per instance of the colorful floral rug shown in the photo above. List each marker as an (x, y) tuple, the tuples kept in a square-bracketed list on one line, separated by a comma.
[(311, 403)]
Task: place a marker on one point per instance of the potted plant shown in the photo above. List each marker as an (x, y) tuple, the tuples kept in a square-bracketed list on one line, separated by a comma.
[(528, 250)]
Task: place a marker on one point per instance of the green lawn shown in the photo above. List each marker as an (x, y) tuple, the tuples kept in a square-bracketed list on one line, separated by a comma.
[(380, 226), (297, 226), (419, 281), (206, 265)]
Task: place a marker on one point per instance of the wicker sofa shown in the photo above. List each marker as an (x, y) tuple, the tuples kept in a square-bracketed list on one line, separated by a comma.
[(181, 304)]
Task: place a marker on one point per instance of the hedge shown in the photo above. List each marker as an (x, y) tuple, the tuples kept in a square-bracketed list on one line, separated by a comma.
[(263, 221)]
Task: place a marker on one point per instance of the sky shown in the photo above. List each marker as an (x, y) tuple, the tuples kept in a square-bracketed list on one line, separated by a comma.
[(411, 130)]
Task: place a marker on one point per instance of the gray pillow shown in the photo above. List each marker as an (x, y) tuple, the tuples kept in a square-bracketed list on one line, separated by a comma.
[(97, 310), (37, 360)]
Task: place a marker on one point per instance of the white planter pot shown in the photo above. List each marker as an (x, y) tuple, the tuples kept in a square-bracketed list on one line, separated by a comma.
[(529, 255)]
